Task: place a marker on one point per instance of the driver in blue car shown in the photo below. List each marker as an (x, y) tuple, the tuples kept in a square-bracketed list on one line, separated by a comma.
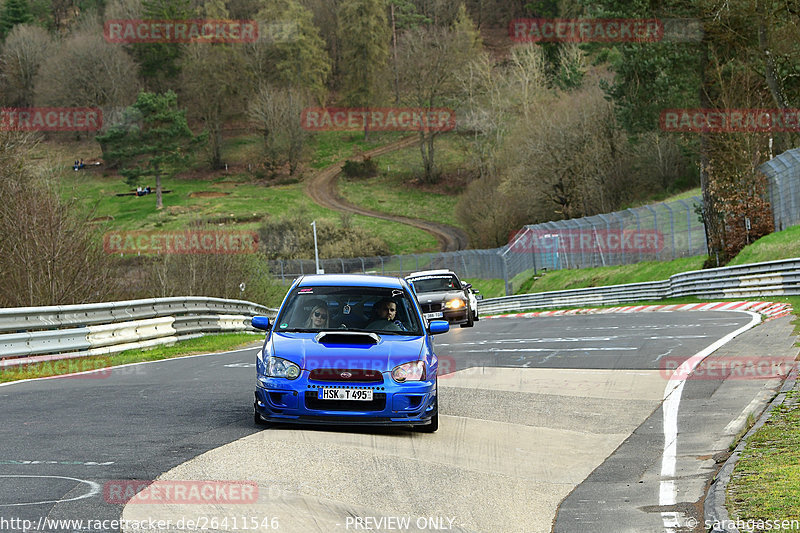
[(386, 316)]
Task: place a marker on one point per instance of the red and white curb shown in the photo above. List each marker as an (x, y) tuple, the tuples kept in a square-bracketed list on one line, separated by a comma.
[(769, 310)]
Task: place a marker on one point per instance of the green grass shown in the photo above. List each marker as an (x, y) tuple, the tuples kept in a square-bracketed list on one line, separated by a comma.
[(229, 199), (391, 194), (765, 485), (330, 147), (668, 197), (240, 203), (490, 288), (206, 344), (392, 191), (611, 275), (779, 245)]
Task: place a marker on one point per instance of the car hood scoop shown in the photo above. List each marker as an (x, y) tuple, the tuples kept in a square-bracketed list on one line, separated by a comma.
[(346, 349), (347, 337)]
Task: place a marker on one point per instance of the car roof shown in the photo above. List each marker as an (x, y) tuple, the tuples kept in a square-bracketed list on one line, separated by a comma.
[(431, 273), (351, 280)]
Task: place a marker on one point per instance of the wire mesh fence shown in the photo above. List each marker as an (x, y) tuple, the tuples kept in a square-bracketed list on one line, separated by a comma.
[(661, 231), (657, 232), (783, 178), (483, 264)]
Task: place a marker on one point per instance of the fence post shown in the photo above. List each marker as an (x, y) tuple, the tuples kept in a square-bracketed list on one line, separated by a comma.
[(655, 221), (638, 227), (505, 274), (672, 227)]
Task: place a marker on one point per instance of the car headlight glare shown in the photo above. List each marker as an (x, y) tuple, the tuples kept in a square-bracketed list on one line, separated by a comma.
[(456, 303), (412, 371), (281, 368)]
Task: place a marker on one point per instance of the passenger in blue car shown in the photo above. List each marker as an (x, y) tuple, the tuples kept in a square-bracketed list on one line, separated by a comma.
[(386, 317), (318, 317)]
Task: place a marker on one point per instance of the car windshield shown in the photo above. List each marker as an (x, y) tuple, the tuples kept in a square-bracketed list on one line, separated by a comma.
[(436, 283), (375, 309)]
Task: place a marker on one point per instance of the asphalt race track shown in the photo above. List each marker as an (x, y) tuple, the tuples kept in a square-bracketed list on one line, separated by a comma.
[(548, 424)]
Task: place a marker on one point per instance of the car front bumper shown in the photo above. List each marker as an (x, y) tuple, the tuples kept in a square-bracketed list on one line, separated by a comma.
[(295, 401)]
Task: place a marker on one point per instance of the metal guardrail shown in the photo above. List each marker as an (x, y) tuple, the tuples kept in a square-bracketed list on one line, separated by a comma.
[(773, 278), (31, 334)]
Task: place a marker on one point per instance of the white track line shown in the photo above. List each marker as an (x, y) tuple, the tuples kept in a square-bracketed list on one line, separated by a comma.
[(672, 399)]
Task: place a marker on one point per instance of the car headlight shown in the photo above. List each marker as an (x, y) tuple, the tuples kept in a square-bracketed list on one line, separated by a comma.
[(281, 368), (412, 371), (456, 303)]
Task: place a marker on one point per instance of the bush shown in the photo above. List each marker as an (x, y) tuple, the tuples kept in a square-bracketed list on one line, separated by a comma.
[(360, 169), (50, 254), (293, 238), (213, 275)]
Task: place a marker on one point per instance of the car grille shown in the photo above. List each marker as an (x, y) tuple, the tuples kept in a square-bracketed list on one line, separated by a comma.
[(356, 375), (431, 307), (378, 403)]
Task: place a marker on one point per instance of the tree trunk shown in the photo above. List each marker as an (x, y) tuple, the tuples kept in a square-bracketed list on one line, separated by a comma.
[(709, 209), (159, 202), (394, 53), (216, 147)]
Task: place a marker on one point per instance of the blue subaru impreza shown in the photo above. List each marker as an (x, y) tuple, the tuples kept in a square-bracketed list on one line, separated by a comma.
[(349, 349)]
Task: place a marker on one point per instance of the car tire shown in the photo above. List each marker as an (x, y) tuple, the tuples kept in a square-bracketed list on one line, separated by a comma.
[(470, 322), (257, 420), (432, 427), (434, 424)]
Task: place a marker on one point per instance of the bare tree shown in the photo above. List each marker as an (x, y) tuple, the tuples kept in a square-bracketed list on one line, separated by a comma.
[(215, 85), (275, 113), (124, 10), (429, 62), (571, 155), (49, 252), (25, 49), (87, 72)]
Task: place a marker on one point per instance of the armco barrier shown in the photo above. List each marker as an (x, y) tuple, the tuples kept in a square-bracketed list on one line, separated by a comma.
[(28, 334), (773, 278)]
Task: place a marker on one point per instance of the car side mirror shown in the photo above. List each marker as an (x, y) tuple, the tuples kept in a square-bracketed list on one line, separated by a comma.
[(438, 326), (260, 322)]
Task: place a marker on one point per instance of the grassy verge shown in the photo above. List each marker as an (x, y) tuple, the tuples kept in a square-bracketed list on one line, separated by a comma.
[(206, 344), (396, 190), (330, 147), (765, 485), (557, 280), (490, 288), (779, 245)]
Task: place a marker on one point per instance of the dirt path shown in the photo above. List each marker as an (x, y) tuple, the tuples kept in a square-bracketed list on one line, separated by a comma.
[(322, 189)]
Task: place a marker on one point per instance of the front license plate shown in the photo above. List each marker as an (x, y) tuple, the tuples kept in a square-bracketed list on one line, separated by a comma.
[(437, 314), (364, 395)]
